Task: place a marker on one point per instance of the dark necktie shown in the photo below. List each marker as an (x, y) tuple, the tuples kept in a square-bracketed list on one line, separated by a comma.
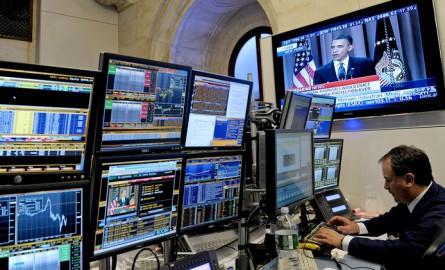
[(341, 72)]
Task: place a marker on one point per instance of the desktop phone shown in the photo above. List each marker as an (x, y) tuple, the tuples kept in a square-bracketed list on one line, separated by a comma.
[(205, 260), (331, 203)]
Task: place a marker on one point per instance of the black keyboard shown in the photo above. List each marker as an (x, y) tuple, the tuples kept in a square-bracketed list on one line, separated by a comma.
[(183, 245)]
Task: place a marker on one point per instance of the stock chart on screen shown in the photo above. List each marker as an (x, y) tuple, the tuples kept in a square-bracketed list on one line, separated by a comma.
[(44, 118), (41, 230), (211, 190)]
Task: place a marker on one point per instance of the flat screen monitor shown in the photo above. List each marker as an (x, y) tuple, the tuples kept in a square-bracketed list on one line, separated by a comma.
[(320, 116), (42, 228), (218, 111), (384, 59), (327, 163), (45, 119), (143, 104), (295, 111), (289, 169), (135, 201), (212, 189)]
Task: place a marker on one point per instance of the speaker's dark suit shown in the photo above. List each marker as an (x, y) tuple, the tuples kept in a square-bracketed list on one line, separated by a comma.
[(414, 231), (357, 67)]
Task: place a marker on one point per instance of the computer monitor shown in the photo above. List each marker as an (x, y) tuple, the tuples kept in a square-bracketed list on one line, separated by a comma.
[(46, 115), (289, 169), (321, 113), (212, 190), (218, 111), (143, 105), (327, 163), (42, 227), (295, 111), (135, 201)]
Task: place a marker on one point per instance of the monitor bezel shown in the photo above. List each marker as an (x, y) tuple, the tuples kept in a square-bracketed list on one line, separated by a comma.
[(95, 198), (45, 177), (341, 141), (205, 227), (246, 119), (429, 37), (83, 185), (332, 118), (287, 103), (271, 183), (104, 59)]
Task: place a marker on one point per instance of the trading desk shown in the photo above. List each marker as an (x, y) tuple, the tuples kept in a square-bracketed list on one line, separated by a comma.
[(227, 256), (348, 262)]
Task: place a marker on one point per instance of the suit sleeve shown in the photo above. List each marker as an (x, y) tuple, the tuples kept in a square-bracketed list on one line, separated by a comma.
[(408, 248), (317, 78)]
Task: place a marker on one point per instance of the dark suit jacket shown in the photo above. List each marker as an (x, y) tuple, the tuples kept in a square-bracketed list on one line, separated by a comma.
[(357, 67), (414, 231)]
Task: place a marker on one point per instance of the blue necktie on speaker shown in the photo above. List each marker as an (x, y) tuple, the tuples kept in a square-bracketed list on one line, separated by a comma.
[(341, 72)]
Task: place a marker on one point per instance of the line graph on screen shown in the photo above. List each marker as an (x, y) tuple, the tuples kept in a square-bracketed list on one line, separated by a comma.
[(43, 216)]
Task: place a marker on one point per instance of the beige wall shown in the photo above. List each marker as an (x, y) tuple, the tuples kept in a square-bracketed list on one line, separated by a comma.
[(73, 33), (21, 51)]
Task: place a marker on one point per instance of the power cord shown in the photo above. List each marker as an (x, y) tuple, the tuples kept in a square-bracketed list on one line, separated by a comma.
[(139, 252), (357, 267)]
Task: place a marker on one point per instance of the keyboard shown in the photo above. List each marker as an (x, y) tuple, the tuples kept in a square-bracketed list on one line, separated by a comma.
[(306, 260), (309, 238), (214, 244), (302, 257), (213, 241)]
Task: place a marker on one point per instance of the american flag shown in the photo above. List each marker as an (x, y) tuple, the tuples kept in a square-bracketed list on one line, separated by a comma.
[(304, 65)]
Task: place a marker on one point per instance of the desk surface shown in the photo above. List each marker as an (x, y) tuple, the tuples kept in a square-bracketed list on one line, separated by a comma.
[(322, 263), (227, 256)]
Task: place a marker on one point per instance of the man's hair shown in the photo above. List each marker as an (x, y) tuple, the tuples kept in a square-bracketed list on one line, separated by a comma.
[(409, 159), (347, 37)]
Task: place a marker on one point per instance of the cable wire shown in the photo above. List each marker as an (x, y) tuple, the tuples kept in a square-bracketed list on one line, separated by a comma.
[(139, 252)]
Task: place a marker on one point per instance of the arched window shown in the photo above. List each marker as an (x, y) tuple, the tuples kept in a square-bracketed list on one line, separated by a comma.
[(246, 58)]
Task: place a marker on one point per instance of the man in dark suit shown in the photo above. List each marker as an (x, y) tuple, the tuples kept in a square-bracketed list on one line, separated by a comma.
[(421, 203), (343, 66), (123, 198)]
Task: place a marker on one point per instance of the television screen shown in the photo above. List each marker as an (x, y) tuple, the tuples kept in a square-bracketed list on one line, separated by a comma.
[(143, 104), (42, 229), (295, 111), (212, 189), (135, 201), (327, 163), (380, 60), (45, 122), (218, 111), (321, 114)]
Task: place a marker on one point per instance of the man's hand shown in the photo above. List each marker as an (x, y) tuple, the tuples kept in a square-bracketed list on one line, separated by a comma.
[(329, 237), (344, 225)]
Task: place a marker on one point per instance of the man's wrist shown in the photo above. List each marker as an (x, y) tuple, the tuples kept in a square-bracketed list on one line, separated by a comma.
[(341, 242)]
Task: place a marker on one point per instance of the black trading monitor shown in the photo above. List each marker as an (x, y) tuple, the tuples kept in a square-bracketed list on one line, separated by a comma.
[(321, 113), (295, 111), (327, 163), (289, 169), (143, 107), (42, 228), (212, 189), (135, 201), (45, 119), (218, 111)]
